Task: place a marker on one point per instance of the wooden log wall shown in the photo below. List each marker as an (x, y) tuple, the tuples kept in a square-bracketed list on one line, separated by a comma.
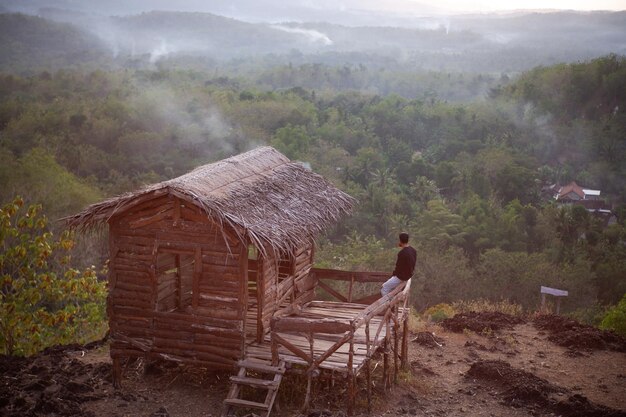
[(177, 285), (286, 282), (303, 281), (268, 274)]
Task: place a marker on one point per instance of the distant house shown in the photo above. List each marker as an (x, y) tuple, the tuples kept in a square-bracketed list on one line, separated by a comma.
[(574, 192)]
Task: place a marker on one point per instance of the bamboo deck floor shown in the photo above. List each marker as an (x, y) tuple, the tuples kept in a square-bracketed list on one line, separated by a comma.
[(338, 361)]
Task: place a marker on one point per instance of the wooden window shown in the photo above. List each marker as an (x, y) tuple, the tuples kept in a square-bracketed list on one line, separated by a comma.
[(253, 273), (253, 253), (285, 267), (175, 274)]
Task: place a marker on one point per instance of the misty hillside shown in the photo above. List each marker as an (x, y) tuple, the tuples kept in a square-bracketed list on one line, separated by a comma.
[(35, 43), (200, 33), (347, 12), (481, 44)]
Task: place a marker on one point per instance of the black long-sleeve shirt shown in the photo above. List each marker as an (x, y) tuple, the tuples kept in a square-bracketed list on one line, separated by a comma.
[(405, 263)]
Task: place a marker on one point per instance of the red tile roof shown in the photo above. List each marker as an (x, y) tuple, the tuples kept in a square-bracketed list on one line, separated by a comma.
[(571, 187)]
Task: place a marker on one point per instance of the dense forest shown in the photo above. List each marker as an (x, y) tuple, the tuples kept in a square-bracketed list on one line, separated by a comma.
[(461, 161)]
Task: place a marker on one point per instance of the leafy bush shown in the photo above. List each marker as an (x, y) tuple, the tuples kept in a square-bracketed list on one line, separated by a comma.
[(591, 316), (615, 318), (43, 301), (439, 312)]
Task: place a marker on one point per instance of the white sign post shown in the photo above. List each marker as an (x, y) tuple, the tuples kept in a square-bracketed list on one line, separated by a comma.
[(554, 292)]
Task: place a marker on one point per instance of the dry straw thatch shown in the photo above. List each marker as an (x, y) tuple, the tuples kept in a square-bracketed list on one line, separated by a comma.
[(260, 194)]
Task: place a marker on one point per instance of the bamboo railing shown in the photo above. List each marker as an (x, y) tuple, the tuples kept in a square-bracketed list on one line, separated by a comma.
[(342, 332)]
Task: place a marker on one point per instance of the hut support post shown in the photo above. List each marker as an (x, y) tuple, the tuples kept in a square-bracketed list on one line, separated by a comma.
[(368, 376), (274, 350), (405, 343), (396, 342), (309, 381), (386, 357), (350, 288), (117, 373), (351, 379)]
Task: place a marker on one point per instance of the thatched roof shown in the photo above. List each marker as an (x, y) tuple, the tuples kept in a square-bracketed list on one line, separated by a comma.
[(261, 194)]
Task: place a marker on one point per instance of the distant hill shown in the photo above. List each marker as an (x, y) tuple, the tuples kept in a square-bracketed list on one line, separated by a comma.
[(33, 43), (200, 33), (491, 43), (347, 12), (487, 44)]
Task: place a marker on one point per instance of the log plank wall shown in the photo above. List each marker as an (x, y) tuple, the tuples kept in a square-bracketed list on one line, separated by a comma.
[(176, 286), (284, 283)]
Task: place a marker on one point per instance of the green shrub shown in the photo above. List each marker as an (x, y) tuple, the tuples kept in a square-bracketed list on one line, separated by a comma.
[(439, 312), (615, 318), (43, 301), (591, 316)]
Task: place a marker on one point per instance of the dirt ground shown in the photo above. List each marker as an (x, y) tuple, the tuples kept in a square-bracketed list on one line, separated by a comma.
[(509, 367)]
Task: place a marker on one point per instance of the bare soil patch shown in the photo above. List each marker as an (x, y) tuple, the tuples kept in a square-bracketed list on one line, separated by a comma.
[(50, 383), (524, 389), (576, 336), (480, 322)]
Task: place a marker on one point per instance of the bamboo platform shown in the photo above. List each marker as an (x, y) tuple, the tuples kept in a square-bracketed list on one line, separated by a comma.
[(338, 361), (339, 337)]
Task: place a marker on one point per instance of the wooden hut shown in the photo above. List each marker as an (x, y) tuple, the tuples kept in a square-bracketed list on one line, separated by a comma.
[(201, 262)]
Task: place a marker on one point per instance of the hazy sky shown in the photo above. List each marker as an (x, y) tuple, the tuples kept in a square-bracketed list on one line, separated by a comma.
[(490, 5)]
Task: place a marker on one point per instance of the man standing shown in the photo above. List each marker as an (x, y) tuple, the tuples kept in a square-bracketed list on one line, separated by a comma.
[(405, 265)]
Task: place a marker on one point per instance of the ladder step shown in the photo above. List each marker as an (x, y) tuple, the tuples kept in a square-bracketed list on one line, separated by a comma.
[(262, 367), (255, 382), (245, 403)]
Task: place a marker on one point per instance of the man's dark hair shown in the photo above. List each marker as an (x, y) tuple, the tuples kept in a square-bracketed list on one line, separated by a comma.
[(404, 237)]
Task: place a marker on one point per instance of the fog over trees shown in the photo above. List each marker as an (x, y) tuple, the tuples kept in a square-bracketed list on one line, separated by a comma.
[(457, 128)]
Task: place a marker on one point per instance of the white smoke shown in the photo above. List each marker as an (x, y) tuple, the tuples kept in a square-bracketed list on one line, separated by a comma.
[(312, 35), (160, 51), (194, 122)]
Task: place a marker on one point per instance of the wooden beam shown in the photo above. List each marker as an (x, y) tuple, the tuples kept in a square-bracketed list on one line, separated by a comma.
[(332, 292), (381, 305), (301, 324), (359, 276), (291, 347), (333, 348)]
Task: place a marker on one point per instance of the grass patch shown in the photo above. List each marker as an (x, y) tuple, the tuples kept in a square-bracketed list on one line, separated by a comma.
[(483, 305)]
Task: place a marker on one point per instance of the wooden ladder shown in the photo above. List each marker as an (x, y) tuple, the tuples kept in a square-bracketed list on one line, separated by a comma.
[(242, 378)]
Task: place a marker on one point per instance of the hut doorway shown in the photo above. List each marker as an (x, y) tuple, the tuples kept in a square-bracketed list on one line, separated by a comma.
[(175, 280)]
